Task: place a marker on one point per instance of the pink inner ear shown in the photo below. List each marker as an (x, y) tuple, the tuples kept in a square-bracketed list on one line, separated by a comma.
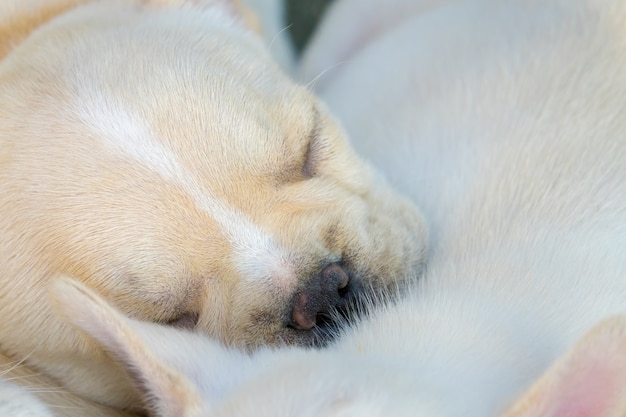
[(589, 392)]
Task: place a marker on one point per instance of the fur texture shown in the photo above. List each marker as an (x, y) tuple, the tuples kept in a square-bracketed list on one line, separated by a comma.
[(152, 150), (505, 120), (17, 402)]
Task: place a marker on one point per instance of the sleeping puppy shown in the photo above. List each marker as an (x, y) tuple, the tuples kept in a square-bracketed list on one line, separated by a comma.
[(506, 121), (153, 151)]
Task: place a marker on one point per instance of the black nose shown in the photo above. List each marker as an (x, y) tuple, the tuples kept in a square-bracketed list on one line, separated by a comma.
[(327, 292)]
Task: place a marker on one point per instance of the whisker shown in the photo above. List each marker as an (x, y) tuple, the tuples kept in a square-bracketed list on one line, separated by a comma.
[(64, 407), (311, 83), (42, 390), (13, 378), (280, 32), (18, 363)]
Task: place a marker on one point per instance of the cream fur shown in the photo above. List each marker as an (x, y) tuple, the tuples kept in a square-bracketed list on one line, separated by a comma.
[(152, 150), (505, 120)]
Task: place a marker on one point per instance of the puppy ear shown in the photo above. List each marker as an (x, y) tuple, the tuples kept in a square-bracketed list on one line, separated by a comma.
[(166, 392), (589, 381)]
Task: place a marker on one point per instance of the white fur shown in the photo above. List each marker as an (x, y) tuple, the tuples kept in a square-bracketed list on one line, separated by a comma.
[(18, 402), (153, 150), (505, 120), (129, 136)]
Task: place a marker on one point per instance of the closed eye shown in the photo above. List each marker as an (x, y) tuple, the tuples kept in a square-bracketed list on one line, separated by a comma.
[(312, 151), (185, 321), (302, 156)]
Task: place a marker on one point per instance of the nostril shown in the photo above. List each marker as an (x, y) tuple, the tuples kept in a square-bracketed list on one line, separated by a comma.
[(303, 316), (344, 291), (313, 306), (334, 278)]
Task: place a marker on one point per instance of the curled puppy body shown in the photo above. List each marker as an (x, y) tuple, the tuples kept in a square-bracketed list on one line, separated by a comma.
[(153, 151), (505, 120)]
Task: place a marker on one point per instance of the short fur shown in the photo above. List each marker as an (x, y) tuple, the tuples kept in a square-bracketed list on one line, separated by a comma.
[(506, 120), (152, 150)]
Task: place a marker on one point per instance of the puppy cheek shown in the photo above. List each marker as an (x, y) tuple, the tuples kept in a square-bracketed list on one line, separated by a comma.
[(243, 316), (389, 248)]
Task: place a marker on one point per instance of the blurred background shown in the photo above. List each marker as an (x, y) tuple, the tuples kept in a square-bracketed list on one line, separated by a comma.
[(302, 16)]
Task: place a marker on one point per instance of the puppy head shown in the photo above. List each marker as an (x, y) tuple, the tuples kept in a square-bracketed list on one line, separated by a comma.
[(157, 154)]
